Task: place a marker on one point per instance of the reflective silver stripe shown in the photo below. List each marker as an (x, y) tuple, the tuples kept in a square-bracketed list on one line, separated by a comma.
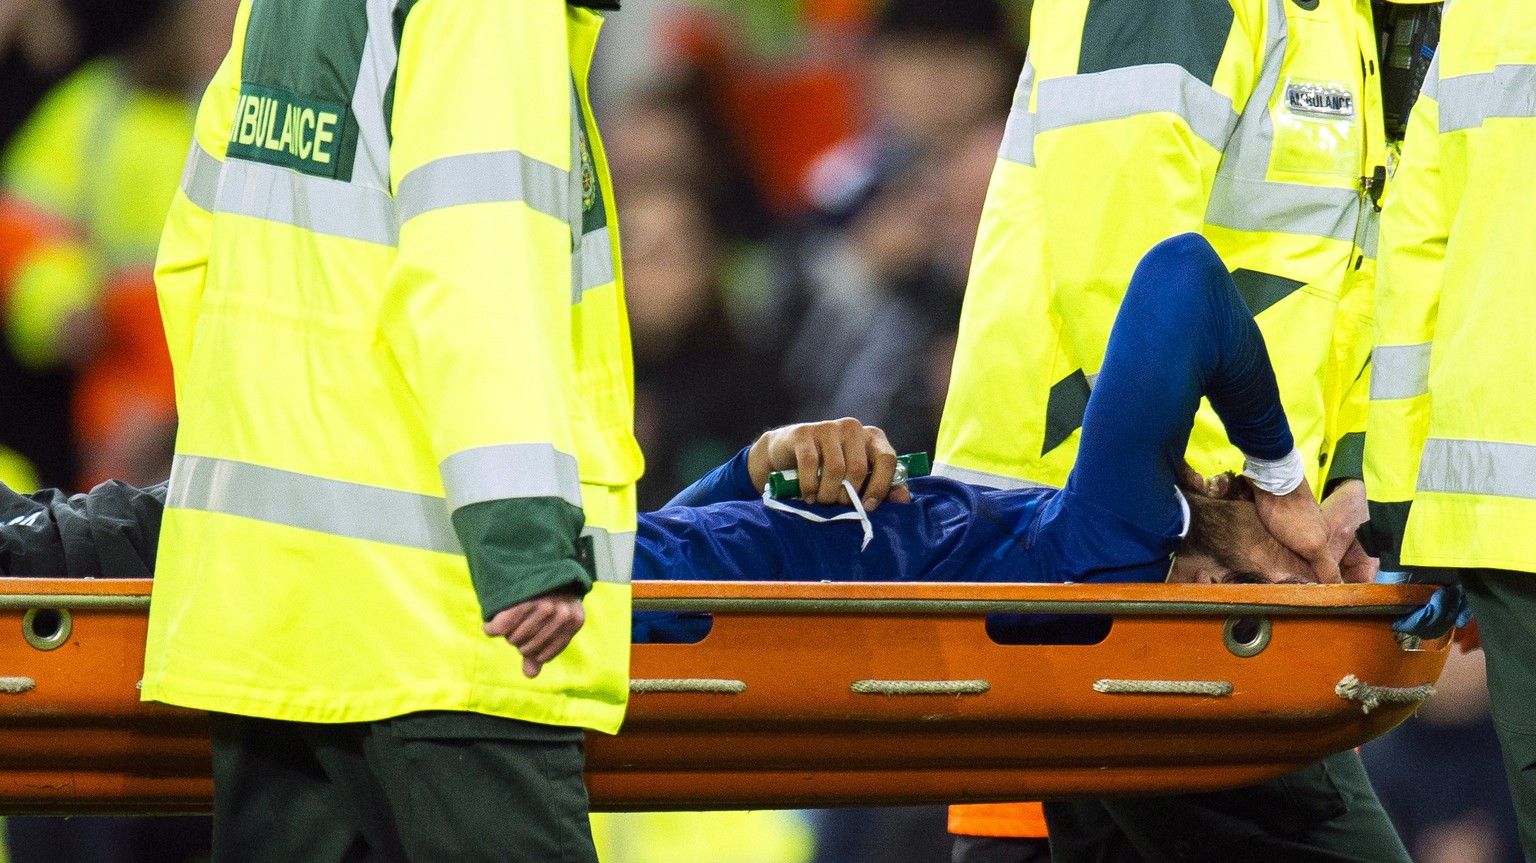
[(1019, 135), (348, 509), (480, 178), (1514, 91), (1243, 200), (981, 477), (1019, 138), (1400, 371), (1127, 92), (1372, 234), (314, 503), (614, 554), (316, 204), (1478, 467), (1511, 94), (370, 164), (1467, 101), (200, 177), (508, 471), (1245, 204), (1463, 100), (593, 262)]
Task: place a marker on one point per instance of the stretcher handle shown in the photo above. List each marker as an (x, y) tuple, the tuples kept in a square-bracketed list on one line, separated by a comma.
[(919, 687), (708, 685), (1112, 686)]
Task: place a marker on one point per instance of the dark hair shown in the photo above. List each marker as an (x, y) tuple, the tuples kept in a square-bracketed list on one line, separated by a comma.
[(1213, 527)]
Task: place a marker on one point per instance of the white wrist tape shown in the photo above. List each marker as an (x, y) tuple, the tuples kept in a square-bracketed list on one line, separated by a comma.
[(1276, 476)]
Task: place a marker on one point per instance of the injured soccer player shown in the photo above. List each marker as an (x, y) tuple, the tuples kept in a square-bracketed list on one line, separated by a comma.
[(1182, 332), (1131, 509)]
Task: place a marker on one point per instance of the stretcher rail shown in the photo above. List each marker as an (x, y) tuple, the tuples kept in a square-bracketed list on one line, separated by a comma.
[(818, 694)]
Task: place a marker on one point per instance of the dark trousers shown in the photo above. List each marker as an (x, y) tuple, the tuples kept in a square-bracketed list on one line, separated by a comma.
[(1000, 849), (109, 839), (1326, 813), (424, 787), (1505, 606)]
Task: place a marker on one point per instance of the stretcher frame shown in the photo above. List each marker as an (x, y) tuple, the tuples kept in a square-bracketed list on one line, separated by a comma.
[(816, 694)]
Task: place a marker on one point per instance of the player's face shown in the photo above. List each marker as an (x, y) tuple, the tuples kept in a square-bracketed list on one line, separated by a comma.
[(1200, 569), (1250, 554)]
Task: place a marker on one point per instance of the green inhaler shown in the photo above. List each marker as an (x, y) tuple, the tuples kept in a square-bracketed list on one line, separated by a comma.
[(784, 484)]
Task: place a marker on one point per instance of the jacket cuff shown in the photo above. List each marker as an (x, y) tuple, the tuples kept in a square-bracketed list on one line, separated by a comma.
[(520, 548), (1382, 535)]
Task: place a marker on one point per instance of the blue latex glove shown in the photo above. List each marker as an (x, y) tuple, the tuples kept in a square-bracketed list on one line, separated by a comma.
[(1448, 607)]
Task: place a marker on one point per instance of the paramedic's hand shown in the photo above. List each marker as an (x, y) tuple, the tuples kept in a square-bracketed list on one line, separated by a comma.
[(540, 627), (826, 453), (1297, 522), (1346, 510), (1446, 608)]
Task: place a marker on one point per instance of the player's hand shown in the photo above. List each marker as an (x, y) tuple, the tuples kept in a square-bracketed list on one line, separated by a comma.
[(540, 627), (1345, 509), (1297, 522), (825, 454)]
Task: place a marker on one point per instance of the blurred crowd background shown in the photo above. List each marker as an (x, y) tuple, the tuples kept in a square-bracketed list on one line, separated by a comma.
[(799, 184)]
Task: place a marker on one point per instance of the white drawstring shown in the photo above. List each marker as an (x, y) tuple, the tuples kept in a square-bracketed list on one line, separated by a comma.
[(858, 512), (1183, 511)]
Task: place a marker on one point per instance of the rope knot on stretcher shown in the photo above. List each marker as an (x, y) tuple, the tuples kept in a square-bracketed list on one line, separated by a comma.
[(1352, 688)]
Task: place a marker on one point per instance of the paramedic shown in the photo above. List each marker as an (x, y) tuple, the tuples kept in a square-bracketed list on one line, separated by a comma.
[(1258, 123), (1452, 412), (390, 294)]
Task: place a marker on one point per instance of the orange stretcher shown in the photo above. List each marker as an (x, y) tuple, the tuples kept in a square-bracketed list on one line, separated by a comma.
[(811, 694)]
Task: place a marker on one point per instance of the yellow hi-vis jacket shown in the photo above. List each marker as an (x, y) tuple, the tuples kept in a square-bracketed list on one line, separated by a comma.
[(390, 290), (1452, 408), (1256, 123)]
